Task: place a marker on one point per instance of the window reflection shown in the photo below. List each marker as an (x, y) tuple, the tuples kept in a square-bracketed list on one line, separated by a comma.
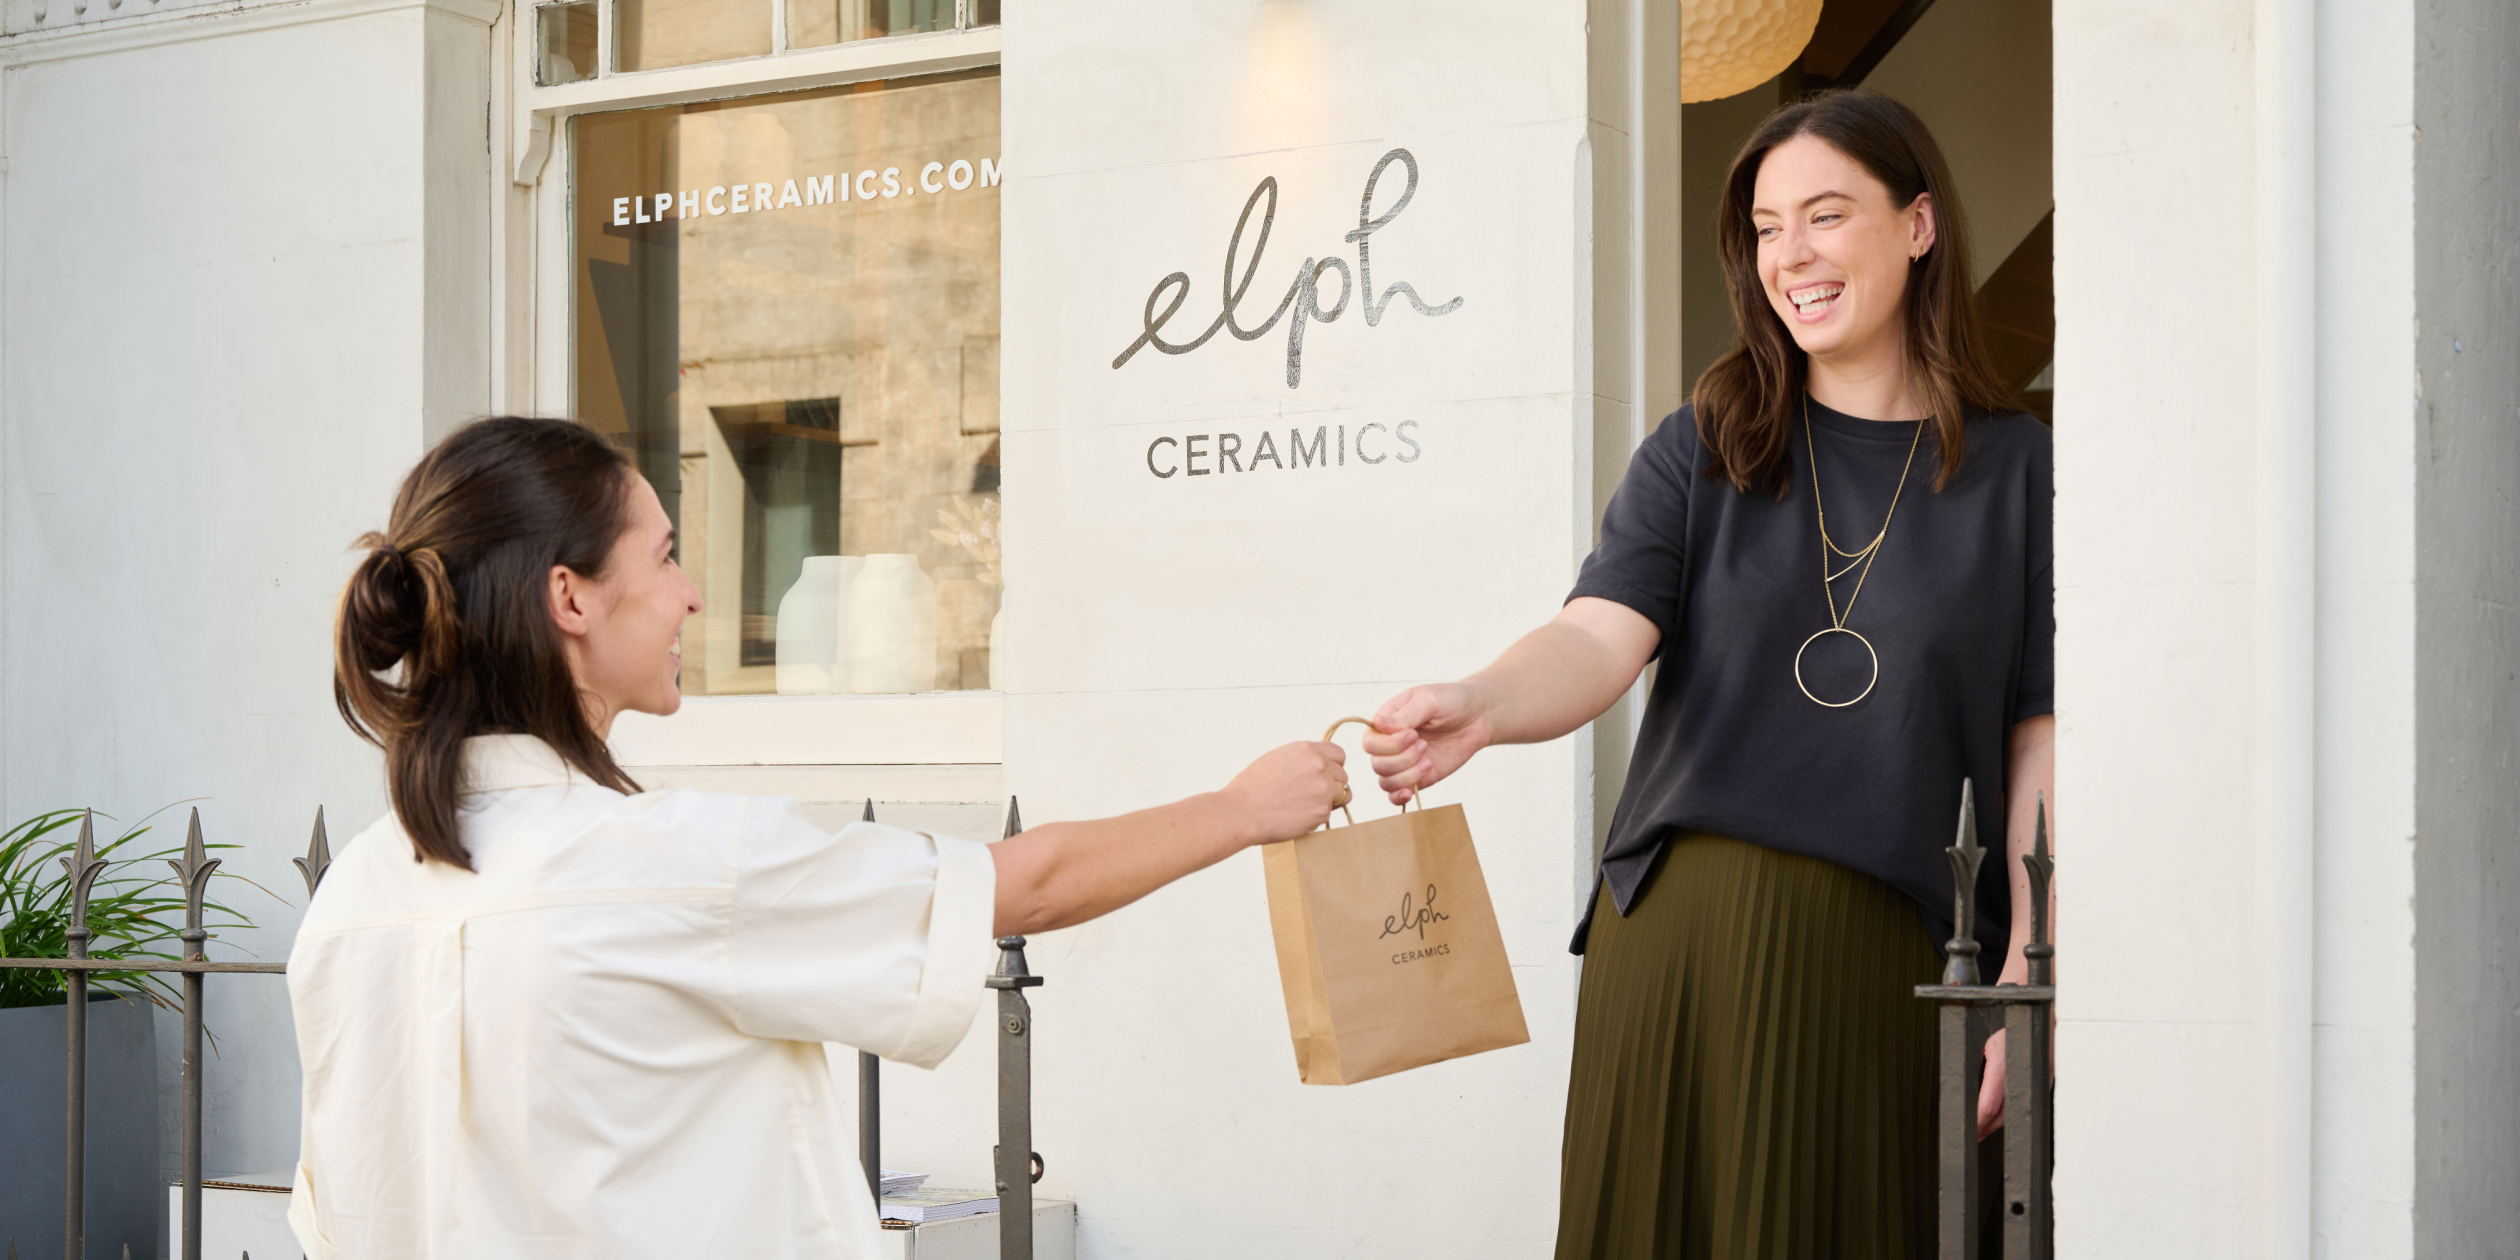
[(787, 310), (653, 34), (812, 23)]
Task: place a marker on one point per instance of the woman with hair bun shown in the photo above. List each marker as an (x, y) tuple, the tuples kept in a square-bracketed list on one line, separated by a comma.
[(1840, 552), (544, 1014)]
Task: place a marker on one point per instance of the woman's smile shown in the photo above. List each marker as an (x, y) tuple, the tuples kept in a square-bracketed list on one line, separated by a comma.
[(1813, 302)]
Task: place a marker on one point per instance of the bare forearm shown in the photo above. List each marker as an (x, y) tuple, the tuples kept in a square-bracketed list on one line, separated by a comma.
[(1061, 874), (1553, 680), (2033, 780)]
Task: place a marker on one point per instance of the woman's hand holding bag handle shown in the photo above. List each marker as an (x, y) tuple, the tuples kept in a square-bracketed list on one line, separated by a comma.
[(1388, 948), (1419, 737)]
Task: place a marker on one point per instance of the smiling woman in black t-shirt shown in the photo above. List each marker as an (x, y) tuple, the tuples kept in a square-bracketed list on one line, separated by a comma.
[(1840, 552)]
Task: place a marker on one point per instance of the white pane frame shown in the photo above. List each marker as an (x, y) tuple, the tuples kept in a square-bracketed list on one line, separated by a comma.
[(958, 728)]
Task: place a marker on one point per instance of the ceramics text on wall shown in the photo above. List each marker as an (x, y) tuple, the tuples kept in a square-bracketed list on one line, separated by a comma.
[(1326, 445)]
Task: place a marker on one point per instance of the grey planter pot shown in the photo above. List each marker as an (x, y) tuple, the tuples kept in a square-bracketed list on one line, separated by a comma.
[(123, 1198)]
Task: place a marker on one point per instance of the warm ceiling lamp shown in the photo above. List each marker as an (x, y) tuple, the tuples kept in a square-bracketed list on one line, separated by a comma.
[(1731, 46)]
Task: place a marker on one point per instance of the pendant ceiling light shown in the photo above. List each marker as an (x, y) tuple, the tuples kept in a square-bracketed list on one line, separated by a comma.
[(1731, 46)]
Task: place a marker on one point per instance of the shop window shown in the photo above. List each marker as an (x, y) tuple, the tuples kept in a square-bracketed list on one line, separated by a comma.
[(659, 34), (565, 44), (786, 310)]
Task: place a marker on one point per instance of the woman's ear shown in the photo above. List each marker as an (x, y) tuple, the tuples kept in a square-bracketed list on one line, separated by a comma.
[(568, 597), (1920, 217)]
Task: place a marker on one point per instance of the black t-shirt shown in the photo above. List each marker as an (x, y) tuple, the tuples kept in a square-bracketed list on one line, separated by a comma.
[(1959, 605)]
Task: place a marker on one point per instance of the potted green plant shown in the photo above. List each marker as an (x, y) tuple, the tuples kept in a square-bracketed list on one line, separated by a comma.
[(134, 911)]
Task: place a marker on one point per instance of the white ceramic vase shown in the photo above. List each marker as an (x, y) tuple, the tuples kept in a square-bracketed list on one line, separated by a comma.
[(889, 627), (839, 623), (809, 661)]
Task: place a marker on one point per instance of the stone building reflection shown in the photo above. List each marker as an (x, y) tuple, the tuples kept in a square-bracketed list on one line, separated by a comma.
[(787, 309)]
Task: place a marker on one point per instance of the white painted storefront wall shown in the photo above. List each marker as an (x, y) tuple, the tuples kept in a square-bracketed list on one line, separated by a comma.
[(226, 313)]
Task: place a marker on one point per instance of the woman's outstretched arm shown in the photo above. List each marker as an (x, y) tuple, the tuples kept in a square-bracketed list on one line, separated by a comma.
[(1551, 681), (1061, 874)]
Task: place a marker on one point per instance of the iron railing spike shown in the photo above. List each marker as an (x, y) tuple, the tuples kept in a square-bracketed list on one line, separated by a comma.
[(1014, 818), (2041, 868), (83, 867), (84, 851), (194, 871), (1960, 966), (318, 857)]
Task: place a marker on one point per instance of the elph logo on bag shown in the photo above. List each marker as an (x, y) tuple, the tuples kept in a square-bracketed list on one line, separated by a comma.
[(1413, 920)]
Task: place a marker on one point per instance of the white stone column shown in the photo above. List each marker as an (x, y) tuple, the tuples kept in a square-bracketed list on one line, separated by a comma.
[(1173, 613), (2235, 443)]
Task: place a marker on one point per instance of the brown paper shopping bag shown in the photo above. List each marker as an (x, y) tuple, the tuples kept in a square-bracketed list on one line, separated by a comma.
[(1387, 946)]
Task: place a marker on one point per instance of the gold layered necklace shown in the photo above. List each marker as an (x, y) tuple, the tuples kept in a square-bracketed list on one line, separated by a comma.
[(1831, 568)]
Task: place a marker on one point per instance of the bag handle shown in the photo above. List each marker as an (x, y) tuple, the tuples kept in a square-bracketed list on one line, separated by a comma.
[(1345, 795)]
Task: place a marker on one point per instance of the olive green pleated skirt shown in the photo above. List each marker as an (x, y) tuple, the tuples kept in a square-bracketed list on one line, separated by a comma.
[(1753, 1075)]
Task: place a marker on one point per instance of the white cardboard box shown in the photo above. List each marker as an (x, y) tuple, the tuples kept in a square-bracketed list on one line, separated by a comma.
[(245, 1215), (976, 1237)]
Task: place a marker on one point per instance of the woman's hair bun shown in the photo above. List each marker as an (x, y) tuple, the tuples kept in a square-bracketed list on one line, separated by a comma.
[(393, 604)]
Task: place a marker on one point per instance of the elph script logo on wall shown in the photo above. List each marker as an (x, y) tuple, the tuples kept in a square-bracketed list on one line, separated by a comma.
[(1302, 301)]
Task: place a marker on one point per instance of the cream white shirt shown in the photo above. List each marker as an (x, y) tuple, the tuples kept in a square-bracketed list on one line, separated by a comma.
[(606, 1040)]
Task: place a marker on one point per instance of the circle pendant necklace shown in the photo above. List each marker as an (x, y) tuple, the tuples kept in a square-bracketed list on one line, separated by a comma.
[(1860, 558)]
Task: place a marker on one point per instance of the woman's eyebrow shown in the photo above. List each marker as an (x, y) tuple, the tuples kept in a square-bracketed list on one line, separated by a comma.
[(1807, 202)]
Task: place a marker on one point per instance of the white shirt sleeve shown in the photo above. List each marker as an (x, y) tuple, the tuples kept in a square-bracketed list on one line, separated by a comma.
[(873, 937)]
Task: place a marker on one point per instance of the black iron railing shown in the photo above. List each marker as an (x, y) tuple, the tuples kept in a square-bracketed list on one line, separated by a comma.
[(1018, 1165), (1014, 1043), (1970, 1012), (193, 872)]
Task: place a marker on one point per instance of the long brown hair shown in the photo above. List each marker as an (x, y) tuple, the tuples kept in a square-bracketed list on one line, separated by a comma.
[(444, 631), (1747, 401)]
